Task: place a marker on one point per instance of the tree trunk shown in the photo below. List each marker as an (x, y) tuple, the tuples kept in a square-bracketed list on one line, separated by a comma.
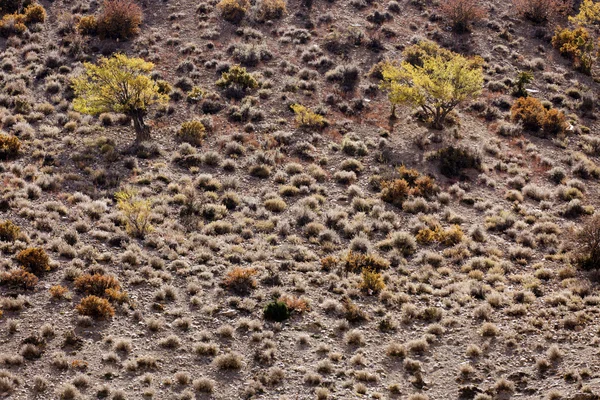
[(142, 131)]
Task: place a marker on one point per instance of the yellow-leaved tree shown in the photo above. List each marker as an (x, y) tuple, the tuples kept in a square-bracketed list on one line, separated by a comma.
[(122, 85), (432, 79), (589, 14)]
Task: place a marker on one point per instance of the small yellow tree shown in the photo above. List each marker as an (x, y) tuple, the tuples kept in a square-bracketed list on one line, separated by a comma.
[(589, 14), (119, 84), (436, 84), (136, 212)]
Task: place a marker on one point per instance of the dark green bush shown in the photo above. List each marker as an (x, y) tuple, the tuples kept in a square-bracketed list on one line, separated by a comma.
[(454, 160), (277, 311)]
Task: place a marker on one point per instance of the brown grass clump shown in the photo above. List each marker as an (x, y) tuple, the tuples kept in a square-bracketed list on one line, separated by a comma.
[(297, 304), (372, 282), (87, 25), (542, 11), (229, 361), (233, 10), (9, 144), (9, 231), (58, 292), (462, 13), (192, 132), (11, 6), (95, 307), (587, 242), (34, 260), (241, 280), (35, 13), (19, 279), (96, 284), (119, 19), (271, 9), (355, 262)]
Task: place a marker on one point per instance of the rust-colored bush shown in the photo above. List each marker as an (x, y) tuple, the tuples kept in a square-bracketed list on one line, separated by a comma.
[(58, 291), (34, 260), (293, 303), (119, 19), (96, 284), (19, 279), (395, 192), (462, 13), (542, 11), (95, 307), (530, 112), (241, 280)]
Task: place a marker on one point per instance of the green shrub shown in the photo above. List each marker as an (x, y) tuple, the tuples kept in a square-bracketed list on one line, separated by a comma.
[(276, 311), (119, 19), (454, 160), (9, 146), (34, 260), (192, 132), (9, 231)]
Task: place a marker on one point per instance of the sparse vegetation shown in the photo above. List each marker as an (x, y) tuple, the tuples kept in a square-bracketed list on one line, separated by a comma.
[(279, 235)]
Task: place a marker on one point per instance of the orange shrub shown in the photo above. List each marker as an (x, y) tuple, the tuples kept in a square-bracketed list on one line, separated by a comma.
[(395, 191), (19, 279), (119, 19), (294, 303), (531, 113), (58, 291), (462, 13), (241, 280), (96, 307), (34, 260)]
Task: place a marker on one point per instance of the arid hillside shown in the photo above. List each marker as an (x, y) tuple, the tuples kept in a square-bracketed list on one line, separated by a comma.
[(345, 199)]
